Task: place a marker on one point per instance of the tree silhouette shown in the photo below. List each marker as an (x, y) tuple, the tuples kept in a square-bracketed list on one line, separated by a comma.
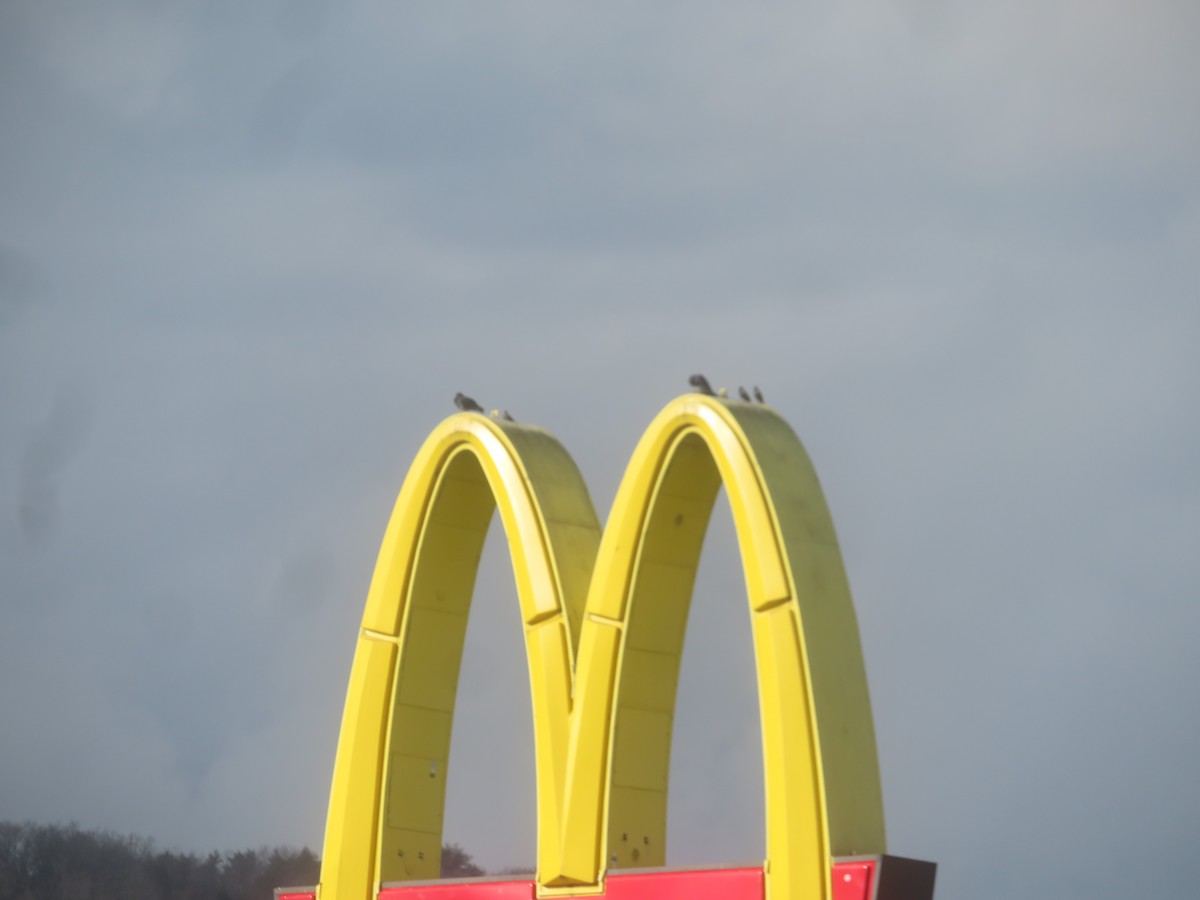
[(457, 863), (56, 862)]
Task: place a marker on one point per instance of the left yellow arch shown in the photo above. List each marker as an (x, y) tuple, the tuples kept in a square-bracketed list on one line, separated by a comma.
[(388, 792)]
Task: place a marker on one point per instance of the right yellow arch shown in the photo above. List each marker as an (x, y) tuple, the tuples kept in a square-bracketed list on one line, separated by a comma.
[(823, 794)]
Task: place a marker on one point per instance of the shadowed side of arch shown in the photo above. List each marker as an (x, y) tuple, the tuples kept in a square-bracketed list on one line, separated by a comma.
[(822, 786), (388, 794)]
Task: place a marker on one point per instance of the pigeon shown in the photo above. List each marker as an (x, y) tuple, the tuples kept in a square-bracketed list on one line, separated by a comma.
[(700, 383), (758, 395), (744, 394), (507, 417), (466, 404)]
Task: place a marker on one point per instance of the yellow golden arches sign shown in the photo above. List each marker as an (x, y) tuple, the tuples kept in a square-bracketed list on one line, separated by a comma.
[(604, 619)]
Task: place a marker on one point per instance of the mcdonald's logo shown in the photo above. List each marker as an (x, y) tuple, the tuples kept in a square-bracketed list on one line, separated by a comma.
[(604, 614)]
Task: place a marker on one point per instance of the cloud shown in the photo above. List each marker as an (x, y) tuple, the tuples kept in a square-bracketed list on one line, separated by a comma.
[(48, 450), (125, 57), (22, 284)]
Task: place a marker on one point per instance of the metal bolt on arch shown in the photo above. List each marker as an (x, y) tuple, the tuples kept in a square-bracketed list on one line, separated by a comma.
[(604, 613)]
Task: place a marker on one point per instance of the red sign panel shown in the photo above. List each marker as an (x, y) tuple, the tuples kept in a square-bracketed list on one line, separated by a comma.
[(853, 879)]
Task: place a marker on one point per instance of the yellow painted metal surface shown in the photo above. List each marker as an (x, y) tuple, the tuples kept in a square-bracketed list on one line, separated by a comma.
[(388, 793), (603, 726)]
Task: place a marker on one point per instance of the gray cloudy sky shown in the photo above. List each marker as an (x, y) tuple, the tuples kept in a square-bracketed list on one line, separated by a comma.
[(248, 253)]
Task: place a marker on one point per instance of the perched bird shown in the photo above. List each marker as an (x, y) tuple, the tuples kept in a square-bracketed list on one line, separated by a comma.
[(466, 404), (744, 394), (507, 417), (758, 395), (494, 413), (723, 392), (700, 383)]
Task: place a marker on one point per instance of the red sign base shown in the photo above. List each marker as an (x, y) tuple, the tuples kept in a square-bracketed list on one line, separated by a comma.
[(854, 878)]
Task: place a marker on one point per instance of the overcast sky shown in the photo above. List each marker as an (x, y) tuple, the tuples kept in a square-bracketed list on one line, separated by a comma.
[(249, 252)]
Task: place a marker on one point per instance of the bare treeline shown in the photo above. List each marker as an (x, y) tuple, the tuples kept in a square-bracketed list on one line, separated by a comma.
[(56, 862), (65, 862)]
